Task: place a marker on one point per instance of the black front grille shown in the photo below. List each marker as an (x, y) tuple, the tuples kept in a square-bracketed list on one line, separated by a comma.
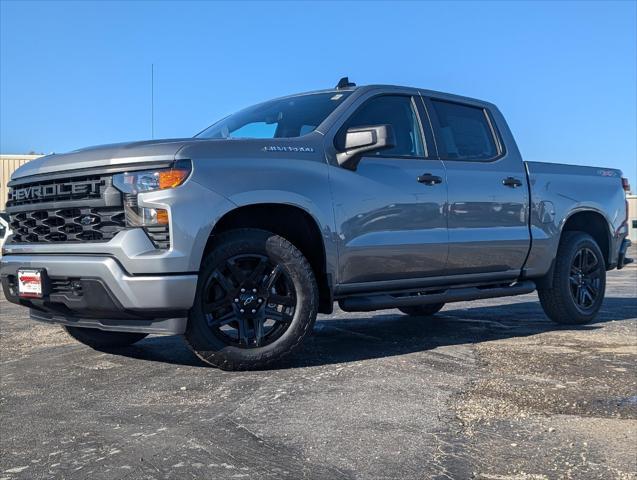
[(82, 208), (86, 187), (60, 285), (83, 224)]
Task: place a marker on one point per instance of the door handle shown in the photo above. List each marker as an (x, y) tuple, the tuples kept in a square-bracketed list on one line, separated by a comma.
[(512, 182), (429, 179)]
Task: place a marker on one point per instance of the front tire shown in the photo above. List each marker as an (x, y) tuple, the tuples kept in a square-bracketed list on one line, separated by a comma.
[(579, 281), (98, 339), (256, 301)]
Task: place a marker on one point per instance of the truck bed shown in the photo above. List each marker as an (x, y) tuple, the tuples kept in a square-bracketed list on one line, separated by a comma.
[(559, 191)]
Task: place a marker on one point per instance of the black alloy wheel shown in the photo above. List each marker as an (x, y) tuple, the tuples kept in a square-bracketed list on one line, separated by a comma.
[(578, 281), (585, 279), (249, 301), (256, 301)]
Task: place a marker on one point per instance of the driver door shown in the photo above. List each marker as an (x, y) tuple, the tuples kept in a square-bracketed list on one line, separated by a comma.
[(390, 211)]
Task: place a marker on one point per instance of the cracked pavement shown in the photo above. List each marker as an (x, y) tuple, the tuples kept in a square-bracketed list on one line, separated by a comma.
[(488, 390)]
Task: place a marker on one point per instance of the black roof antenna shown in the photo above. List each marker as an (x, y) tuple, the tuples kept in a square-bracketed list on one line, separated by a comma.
[(344, 83)]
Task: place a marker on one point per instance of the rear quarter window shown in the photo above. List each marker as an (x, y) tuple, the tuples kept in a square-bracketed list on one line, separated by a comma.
[(464, 132)]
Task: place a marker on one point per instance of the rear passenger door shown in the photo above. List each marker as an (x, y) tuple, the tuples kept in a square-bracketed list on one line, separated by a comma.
[(487, 190)]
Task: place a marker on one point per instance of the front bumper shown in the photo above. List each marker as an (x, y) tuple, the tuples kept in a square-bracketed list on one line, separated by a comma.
[(97, 292)]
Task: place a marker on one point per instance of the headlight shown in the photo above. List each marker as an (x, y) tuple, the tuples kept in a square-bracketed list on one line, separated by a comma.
[(155, 221), (149, 180)]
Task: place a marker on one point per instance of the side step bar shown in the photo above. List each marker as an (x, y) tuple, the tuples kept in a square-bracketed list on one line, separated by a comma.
[(362, 303)]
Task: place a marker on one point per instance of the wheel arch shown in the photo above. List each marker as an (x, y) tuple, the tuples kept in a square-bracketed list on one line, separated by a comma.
[(594, 223), (587, 220), (292, 222)]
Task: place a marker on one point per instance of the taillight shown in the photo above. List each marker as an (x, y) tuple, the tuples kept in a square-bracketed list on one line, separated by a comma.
[(625, 184), (624, 224)]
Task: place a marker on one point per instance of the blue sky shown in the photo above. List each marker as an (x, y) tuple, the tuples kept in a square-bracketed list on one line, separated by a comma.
[(76, 74)]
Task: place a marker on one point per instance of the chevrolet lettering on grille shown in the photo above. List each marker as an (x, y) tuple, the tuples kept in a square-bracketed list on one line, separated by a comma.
[(33, 192)]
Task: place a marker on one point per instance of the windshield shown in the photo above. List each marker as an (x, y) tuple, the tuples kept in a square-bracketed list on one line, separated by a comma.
[(283, 118)]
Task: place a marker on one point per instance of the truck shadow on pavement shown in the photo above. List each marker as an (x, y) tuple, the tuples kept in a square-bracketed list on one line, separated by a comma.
[(355, 337)]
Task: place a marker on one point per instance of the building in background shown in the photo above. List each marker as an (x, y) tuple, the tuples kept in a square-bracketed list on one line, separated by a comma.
[(632, 217), (8, 164)]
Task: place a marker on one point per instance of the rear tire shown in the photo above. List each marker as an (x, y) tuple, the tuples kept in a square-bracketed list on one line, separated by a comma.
[(422, 310), (579, 281), (256, 301), (97, 339)]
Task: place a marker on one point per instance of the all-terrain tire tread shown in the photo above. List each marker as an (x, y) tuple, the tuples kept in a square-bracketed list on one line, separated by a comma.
[(219, 360), (554, 300)]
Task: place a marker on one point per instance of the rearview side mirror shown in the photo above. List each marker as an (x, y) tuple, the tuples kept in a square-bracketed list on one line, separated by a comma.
[(364, 139)]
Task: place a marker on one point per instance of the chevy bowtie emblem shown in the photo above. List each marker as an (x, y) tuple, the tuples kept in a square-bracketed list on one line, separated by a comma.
[(248, 300), (87, 220)]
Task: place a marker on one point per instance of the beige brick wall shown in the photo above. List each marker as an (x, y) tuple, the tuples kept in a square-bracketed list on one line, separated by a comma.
[(8, 164), (632, 217)]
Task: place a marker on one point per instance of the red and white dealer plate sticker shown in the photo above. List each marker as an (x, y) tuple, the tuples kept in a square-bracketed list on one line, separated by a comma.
[(30, 283)]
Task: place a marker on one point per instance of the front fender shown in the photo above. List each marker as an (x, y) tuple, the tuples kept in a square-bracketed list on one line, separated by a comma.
[(193, 211), (243, 182)]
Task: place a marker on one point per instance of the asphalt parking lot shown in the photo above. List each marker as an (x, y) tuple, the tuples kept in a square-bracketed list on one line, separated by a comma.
[(487, 390)]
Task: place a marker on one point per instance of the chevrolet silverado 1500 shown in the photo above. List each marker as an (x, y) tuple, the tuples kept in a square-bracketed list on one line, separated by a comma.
[(374, 197)]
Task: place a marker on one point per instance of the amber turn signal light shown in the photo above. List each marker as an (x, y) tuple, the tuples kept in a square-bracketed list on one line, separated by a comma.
[(172, 178), (162, 216)]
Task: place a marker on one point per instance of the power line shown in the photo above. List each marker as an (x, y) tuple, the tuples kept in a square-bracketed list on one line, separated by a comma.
[(152, 100)]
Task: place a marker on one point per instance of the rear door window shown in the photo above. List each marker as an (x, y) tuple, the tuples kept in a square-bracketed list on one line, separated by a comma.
[(464, 132)]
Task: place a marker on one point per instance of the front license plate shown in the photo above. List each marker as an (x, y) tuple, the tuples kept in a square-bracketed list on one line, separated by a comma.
[(30, 283)]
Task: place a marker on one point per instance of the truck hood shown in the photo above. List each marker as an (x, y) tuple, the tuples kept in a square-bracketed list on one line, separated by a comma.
[(308, 147), (105, 156)]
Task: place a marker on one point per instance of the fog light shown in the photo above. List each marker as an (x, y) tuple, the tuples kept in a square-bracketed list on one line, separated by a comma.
[(154, 221), (145, 217)]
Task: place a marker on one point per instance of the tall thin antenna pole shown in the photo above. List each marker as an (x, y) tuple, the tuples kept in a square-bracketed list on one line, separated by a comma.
[(152, 100)]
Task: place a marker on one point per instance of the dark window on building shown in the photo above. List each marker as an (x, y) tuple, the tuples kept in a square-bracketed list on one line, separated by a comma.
[(394, 110), (465, 132), (634, 223)]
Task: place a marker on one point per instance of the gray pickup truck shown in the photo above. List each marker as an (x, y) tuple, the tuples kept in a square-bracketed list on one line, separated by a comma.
[(374, 197)]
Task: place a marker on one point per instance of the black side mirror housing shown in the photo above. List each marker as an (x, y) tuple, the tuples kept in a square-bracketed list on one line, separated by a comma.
[(360, 140)]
